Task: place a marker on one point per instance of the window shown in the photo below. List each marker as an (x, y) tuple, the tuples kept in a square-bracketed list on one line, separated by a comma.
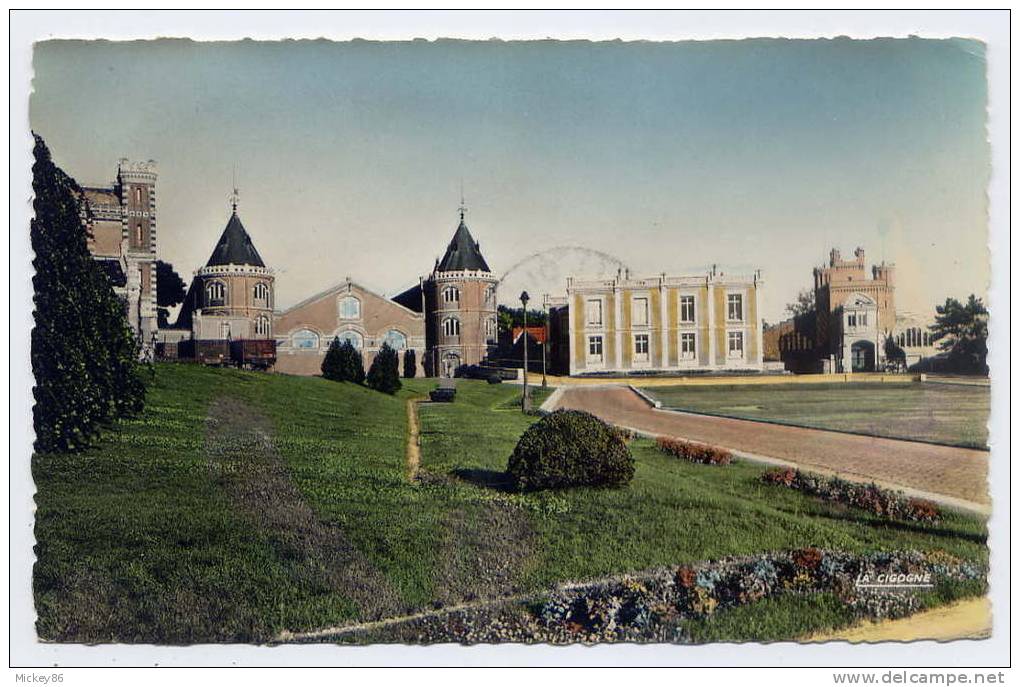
[(396, 340), (262, 326), (639, 310), (354, 337), (261, 292), (687, 309), (687, 347), (864, 319), (350, 308), (595, 312), (224, 330), (451, 294), (305, 339), (735, 307), (640, 347), (451, 326), (490, 295), (595, 348), (215, 293), (736, 344), (138, 234), (490, 329), (851, 320), (138, 195)]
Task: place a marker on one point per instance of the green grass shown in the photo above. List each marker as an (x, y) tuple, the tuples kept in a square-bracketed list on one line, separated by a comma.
[(940, 413), (140, 541)]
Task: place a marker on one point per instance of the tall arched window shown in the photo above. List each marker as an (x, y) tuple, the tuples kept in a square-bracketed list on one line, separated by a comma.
[(215, 293), (490, 329), (451, 326), (262, 325), (138, 233), (350, 308), (490, 295), (305, 339), (261, 293), (354, 337), (396, 340), (451, 294)]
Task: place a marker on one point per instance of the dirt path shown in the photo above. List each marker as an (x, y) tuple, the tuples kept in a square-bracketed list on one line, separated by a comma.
[(413, 439), (242, 456), (967, 619), (958, 473)]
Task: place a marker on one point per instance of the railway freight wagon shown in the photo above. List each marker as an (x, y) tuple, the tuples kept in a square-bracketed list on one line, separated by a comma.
[(254, 354)]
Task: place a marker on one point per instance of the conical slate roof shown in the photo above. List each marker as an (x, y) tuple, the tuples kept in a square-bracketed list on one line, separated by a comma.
[(235, 246), (463, 252)]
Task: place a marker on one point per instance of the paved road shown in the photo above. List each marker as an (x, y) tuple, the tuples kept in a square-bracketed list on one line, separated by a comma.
[(958, 473)]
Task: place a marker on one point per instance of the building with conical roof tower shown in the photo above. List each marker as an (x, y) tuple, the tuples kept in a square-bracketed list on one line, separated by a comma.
[(460, 306), (232, 296)]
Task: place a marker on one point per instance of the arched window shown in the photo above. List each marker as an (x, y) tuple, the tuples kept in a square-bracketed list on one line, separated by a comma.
[(305, 339), (451, 326), (138, 195), (396, 340), (350, 308), (451, 294), (354, 337), (215, 293), (261, 292), (490, 295), (138, 233), (262, 325), (490, 329)]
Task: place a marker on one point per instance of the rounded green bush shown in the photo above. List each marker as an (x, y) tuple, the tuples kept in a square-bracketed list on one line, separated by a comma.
[(570, 448)]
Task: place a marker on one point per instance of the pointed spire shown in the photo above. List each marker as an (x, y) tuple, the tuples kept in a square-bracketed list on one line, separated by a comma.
[(235, 196), (463, 206)]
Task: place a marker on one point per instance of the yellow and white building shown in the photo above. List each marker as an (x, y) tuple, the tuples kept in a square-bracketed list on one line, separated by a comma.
[(657, 324)]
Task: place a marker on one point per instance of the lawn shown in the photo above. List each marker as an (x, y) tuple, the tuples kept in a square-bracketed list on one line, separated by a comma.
[(241, 504), (942, 413)]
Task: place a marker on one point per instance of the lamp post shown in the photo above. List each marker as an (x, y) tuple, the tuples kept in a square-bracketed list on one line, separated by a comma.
[(545, 342), (525, 400)]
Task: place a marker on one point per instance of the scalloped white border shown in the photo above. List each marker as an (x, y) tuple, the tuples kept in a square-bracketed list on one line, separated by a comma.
[(28, 26)]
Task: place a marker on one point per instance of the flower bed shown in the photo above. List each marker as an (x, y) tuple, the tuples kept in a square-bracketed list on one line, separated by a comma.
[(885, 503), (696, 453), (653, 606)]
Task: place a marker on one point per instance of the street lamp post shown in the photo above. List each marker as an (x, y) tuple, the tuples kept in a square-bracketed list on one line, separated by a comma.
[(545, 342), (525, 400)]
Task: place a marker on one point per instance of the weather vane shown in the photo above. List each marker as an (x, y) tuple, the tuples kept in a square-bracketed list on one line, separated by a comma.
[(235, 196), (463, 206)]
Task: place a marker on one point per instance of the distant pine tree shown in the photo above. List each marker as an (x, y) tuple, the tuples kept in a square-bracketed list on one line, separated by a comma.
[(384, 375), (84, 357), (351, 365), (332, 364), (410, 364)]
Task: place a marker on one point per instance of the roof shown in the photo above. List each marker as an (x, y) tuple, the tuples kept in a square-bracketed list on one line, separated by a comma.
[(235, 246), (463, 253)]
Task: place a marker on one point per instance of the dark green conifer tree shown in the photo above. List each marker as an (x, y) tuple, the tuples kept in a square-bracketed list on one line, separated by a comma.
[(384, 374), (84, 357), (410, 364)]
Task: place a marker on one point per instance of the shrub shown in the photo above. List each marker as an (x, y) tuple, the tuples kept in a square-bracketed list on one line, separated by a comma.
[(384, 374), (410, 364), (570, 448), (696, 453)]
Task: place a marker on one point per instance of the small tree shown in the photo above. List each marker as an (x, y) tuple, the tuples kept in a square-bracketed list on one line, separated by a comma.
[(384, 374), (962, 330), (893, 353), (410, 364), (804, 304), (352, 367), (332, 363), (169, 291)]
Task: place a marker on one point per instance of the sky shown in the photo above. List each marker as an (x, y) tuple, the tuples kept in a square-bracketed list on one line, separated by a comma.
[(670, 157)]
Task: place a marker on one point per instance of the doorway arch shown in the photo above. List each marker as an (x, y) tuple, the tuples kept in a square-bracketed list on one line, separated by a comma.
[(862, 356)]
